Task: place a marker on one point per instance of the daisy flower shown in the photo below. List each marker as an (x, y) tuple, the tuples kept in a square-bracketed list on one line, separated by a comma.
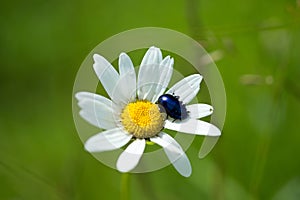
[(132, 116)]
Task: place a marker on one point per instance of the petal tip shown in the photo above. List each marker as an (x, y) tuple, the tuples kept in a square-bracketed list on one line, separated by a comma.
[(198, 77), (97, 57), (153, 48), (188, 174), (123, 54), (78, 95), (121, 169), (168, 57), (214, 131), (88, 147), (172, 61)]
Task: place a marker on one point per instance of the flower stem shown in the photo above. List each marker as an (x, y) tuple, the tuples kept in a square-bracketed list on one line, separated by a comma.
[(125, 187)]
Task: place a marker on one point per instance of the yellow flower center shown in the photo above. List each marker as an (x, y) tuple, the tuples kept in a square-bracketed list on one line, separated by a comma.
[(142, 119)]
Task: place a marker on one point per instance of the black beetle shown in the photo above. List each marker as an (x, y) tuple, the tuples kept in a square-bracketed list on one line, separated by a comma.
[(171, 105)]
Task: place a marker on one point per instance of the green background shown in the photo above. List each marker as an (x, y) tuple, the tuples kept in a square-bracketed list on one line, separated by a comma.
[(42, 44)]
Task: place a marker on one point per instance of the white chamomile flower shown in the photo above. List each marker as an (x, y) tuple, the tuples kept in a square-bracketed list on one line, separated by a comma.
[(132, 114)]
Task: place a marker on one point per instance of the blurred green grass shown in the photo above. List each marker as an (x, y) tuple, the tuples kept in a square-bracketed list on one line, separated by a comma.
[(43, 44)]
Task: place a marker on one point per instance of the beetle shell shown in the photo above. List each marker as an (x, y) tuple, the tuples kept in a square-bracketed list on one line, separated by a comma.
[(172, 106)]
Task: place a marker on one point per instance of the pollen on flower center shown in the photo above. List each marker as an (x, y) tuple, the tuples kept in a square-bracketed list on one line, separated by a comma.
[(143, 119)]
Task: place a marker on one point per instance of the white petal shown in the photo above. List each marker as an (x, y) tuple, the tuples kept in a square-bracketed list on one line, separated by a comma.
[(129, 159), (107, 140), (193, 126), (187, 88), (152, 56), (106, 73), (147, 81), (125, 64), (125, 90), (164, 77), (92, 96), (175, 153), (124, 93), (196, 111), (149, 74), (96, 109), (154, 79)]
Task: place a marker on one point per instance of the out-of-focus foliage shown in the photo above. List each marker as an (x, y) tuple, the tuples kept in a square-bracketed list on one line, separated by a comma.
[(42, 44)]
